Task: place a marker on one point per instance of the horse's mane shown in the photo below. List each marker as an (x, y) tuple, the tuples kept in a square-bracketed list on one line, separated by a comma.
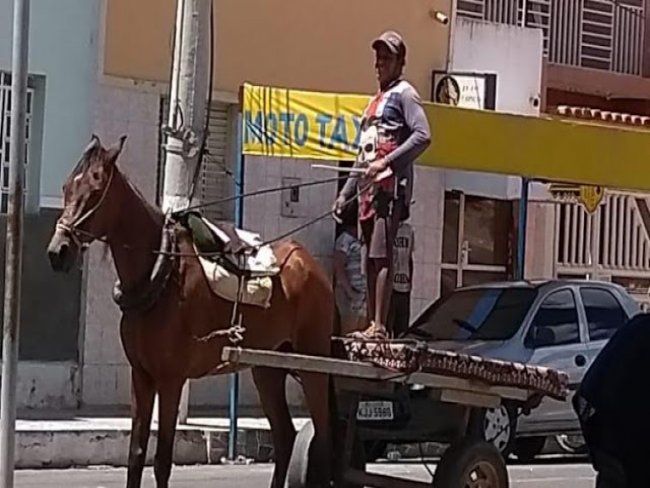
[(152, 209)]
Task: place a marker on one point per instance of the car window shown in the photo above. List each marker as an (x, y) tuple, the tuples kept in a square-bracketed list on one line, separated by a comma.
[(480, 313), (556, 321), (604, 313)]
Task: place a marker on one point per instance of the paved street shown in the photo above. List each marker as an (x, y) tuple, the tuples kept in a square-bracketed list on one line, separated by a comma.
[(552, 475)]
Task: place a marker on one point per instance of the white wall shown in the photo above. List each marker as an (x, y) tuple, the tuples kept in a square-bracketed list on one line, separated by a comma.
[(117, 111), (63, 56), (64, 48), (134, 111), (515, 55), (263, 214)]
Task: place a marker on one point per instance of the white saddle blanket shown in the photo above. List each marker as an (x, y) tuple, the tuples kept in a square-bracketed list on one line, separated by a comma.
[(262, 264)]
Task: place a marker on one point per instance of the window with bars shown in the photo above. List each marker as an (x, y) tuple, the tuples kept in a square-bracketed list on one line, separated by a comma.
[(5, 138), (600, 34), (215, 180)]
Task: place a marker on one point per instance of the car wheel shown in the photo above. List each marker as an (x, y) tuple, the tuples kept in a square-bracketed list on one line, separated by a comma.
[(526, 448), (496, 426)]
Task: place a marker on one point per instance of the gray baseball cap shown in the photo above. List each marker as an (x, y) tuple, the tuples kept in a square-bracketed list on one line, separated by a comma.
[(393, 41)]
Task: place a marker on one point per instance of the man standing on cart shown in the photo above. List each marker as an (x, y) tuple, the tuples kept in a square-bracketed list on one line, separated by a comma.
[(394, 132)]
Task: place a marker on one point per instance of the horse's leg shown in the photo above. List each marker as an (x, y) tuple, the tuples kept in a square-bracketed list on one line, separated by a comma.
[(142, 395), (317, 395), (169, 397), (270, 384)]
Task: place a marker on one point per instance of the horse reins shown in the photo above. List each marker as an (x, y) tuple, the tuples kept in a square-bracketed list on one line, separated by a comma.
[(74, 230)]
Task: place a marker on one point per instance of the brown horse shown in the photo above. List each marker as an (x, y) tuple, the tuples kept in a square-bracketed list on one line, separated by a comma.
[(167, 304)]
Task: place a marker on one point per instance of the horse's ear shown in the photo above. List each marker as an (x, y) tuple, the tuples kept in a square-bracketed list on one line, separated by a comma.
[(115, 150), (93, 144)]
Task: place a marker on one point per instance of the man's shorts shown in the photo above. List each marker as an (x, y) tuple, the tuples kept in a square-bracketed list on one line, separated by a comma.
[(378, 232)]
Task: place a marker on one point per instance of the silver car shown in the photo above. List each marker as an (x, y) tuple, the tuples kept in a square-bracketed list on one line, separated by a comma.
[(561, 324)]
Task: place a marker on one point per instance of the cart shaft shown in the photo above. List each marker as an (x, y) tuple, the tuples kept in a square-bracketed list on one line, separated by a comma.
[(480, 392)]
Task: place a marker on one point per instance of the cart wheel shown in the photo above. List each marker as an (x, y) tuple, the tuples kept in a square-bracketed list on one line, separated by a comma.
[(298, 470), (358, 461), (471, 463), (300, 473)]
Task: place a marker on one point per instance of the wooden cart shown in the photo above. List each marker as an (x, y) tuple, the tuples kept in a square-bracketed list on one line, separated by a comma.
[(375, 404)]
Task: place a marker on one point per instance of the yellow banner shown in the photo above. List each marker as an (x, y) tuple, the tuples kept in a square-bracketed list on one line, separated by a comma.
[(300, 124)]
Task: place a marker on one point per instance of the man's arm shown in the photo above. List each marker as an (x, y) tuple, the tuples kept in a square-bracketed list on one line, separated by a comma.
[(420, 137), (350, 184)]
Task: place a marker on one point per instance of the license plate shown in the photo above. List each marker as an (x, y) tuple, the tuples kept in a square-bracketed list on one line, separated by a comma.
[(375, 410)]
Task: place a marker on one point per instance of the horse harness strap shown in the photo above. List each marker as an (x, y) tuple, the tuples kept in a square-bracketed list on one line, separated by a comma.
[(235, 332), (73, 228), (145, 295)]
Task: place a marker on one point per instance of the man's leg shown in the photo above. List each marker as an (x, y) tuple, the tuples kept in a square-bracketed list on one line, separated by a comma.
[(383, 291), (367, 229), (391, 224), (401, 306), (380, 241)]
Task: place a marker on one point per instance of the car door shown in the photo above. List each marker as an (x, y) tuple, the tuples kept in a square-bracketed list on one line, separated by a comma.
[(604, 314), (557, 341)]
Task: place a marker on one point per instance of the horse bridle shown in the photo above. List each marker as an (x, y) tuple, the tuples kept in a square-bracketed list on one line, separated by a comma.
[(73, 228)]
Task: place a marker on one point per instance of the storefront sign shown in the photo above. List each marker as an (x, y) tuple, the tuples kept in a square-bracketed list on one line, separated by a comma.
[(294, 123), (466, 90)]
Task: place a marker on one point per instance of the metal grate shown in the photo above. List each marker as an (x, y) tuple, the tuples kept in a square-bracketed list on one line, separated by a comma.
[(214, 182), (628, 35), (614, 240), (5, 134), (600, 34)]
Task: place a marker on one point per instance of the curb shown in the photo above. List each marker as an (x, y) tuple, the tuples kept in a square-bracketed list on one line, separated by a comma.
[(75, 448), (68, 448)]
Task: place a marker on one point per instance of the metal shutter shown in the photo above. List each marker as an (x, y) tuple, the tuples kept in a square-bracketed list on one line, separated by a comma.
[(214, 182)]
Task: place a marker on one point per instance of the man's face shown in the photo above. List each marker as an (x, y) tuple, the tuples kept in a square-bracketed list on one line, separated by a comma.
[(388, 66)]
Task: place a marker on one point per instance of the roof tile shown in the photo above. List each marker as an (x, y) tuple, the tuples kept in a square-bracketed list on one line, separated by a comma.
[(598, 115)]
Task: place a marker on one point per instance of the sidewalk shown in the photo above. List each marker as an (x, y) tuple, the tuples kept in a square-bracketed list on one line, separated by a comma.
[(93, 441), (63, 440)]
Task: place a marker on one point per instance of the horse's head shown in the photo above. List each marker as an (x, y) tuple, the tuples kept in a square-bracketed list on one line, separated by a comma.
[(87, 211)]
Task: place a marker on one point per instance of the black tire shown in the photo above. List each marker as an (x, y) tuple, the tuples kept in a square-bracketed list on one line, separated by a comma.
[(374, 450), (527, 448), (497, 426), (468, 458)]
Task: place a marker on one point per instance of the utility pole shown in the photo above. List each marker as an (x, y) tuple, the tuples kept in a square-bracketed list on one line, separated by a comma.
[(14, 249), (187, 109)]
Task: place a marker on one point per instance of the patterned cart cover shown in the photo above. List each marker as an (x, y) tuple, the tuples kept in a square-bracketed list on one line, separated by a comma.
[(411, 356)]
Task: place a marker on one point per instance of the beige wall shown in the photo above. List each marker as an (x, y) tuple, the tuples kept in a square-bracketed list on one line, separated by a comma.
[(305, 44)]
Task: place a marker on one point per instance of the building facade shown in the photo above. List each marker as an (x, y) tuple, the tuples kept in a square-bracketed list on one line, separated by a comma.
[(63, 62), (315, 46), (596, 66), (109, 75)]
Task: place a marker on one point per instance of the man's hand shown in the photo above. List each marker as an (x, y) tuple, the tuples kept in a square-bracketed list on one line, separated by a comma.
[(338, 205), (375, 168)]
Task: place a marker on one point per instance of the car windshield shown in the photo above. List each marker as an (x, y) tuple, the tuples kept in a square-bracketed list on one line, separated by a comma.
[(483, 313)]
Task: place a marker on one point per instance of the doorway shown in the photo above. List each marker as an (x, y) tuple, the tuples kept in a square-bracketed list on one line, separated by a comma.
[(476, 240)]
